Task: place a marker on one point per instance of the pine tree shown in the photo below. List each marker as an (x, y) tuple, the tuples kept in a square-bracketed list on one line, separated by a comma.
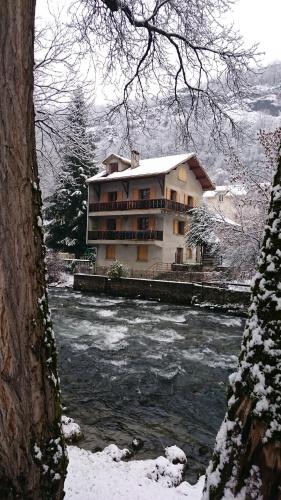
[(66, 210), (247, 459)]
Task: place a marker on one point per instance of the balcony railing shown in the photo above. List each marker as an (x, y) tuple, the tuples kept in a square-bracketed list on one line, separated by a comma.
[(139, 205), (125, 235)]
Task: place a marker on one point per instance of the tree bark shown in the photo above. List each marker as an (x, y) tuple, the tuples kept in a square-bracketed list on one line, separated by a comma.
[(32, 450), (247, 459)]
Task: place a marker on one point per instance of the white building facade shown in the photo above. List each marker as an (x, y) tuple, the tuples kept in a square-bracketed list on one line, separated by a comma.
[(139, 210)]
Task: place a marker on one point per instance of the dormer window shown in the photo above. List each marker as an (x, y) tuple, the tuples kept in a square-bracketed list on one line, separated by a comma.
[(220, 198), (113, 167)]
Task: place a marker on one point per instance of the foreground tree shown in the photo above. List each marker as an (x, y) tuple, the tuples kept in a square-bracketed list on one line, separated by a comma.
[(247, 459), (66, 210), (32, 454)]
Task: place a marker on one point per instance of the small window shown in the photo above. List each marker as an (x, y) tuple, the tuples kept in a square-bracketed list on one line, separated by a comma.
[(182, 175), (220, 198), (143, 223), (112, 196), (113, 167), (110, 252), (143, 253), (111, 224), (173, 195), (190, 201), (181, 227), (144, 194)]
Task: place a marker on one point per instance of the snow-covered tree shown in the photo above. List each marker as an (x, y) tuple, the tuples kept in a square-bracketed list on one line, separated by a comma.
[(66, 209), (246, 463)]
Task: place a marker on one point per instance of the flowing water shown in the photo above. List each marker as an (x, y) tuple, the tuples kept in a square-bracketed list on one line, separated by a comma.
[(135, 368)]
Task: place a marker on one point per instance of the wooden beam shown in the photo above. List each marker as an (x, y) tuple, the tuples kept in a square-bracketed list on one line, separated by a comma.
[(126, 185)]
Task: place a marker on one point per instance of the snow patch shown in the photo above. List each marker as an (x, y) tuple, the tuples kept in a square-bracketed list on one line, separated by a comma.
[(104, 476)]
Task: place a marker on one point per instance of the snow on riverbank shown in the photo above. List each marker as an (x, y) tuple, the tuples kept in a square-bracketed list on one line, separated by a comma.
[(104, 476)]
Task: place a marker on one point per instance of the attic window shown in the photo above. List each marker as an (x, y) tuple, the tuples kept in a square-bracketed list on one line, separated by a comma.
[(220, 197), (113, 167)]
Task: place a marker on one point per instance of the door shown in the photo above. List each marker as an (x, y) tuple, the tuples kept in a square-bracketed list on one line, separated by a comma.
[(179, 256)]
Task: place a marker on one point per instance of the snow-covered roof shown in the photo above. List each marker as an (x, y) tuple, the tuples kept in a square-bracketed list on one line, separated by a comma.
[(156, 166), (231, 190)]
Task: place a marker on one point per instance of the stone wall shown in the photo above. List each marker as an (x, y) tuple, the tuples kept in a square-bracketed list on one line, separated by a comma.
[(168, 291)]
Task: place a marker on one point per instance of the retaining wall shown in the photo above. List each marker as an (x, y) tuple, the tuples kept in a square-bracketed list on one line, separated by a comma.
[(168, 291)]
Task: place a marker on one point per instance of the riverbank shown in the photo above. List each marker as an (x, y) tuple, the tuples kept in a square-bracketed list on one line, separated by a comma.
[(105, 476), (174, 292)]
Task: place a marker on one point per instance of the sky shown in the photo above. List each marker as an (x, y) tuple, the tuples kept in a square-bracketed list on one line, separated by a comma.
[(259, 21)]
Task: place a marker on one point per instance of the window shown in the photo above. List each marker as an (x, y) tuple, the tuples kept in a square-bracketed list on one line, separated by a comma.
[(190, 201), (181, 227), (173, 195), (189, 253), (144, 194), (142, 253), (220, 198), (113, 167), (182, 175), (112, 196), (143, 223), (110, 252), (111, 224)]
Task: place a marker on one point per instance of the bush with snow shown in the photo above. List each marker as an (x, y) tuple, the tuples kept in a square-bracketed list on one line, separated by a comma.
[(117, 270)]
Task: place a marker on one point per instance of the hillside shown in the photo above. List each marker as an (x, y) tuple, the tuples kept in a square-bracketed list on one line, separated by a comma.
[(262, 110)]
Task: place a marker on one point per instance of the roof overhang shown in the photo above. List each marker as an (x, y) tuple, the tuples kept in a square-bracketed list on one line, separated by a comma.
[(200, 173)]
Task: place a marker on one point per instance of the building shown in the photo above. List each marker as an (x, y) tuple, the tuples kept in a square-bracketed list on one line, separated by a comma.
[(226, 200), (139, 210)]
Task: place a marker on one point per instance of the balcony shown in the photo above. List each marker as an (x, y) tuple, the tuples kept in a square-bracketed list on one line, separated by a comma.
[(161, 203), (125, 235)]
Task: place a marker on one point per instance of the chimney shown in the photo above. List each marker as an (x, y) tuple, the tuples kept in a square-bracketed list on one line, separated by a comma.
[(135, 159)]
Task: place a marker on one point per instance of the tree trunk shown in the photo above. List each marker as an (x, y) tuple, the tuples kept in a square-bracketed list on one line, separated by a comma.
[(247, 459), (32, 450)]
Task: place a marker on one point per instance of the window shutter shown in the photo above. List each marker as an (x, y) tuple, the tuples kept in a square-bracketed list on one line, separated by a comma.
[(186, 227), (175, 226), (134, 224), (142, 253), (152, 223), (119, 224), (135, 194), (153, 193), (168, 193), (103, 224), (104, 197), (120, 196), (110, 252)]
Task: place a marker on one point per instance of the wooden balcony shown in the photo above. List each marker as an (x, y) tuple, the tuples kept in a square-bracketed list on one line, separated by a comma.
[(161, 203), (125, 235)]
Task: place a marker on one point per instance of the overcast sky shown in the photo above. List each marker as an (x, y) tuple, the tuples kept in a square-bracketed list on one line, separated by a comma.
[(259, 21)]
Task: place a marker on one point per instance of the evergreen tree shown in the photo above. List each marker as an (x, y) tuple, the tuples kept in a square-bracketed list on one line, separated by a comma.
[(66, 210), (246, 464)]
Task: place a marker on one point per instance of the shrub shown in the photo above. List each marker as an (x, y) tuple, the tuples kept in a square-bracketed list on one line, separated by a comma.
[(117, 270)]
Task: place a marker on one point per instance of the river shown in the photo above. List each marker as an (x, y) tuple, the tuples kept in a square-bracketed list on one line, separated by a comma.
[(136, 368)]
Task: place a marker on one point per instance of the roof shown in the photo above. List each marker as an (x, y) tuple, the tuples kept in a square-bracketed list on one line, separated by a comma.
[(234, 190), (156, 166)]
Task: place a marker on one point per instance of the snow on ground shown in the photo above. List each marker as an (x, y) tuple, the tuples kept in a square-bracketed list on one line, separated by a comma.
[(104, 476)]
